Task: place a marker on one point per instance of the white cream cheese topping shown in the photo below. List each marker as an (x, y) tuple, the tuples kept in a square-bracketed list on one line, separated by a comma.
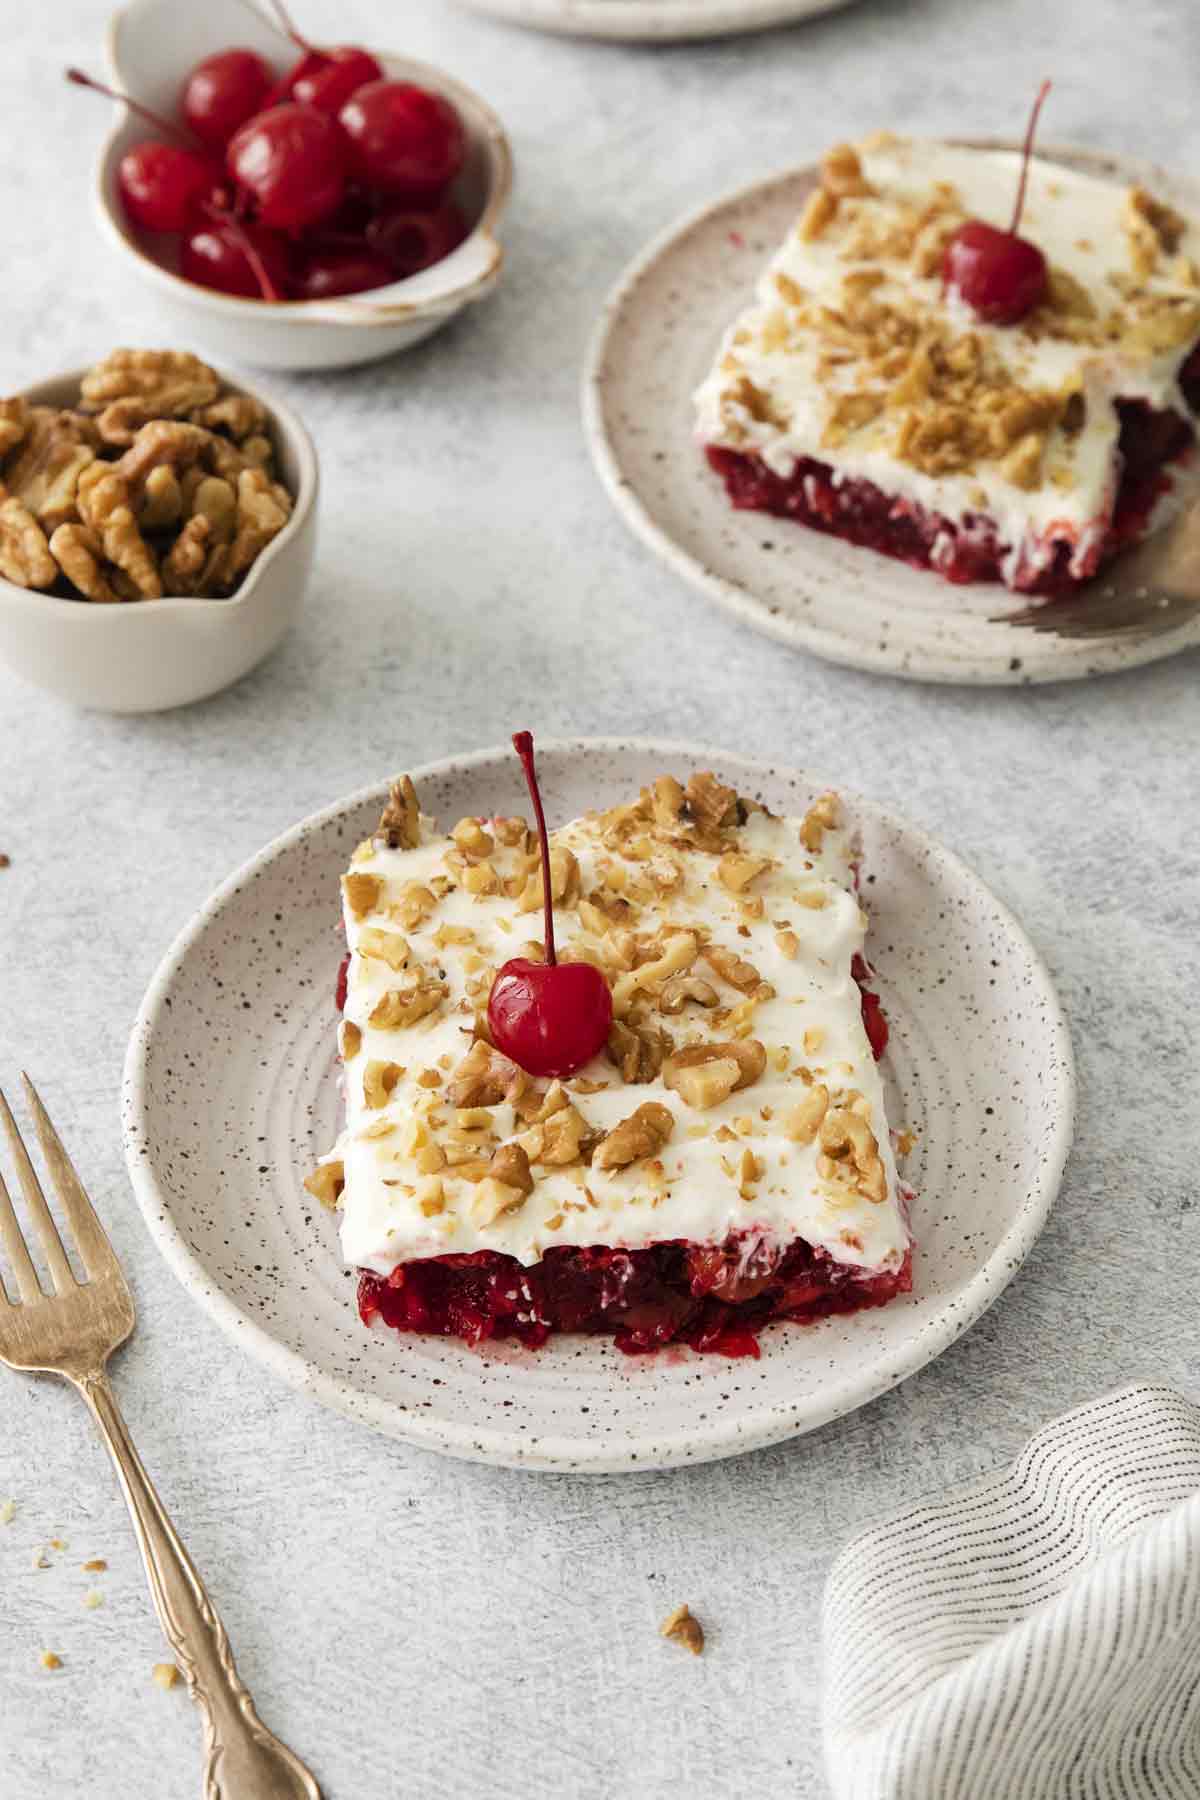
[(734, 1167)]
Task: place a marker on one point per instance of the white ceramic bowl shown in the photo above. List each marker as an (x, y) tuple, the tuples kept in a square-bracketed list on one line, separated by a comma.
[(147, 655), (152, 45)]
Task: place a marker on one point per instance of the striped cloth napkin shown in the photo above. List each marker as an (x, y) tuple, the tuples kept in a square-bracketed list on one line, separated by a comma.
[(1036, 1635)]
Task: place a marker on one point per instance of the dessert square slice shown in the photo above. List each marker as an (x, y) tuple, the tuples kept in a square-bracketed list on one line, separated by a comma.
[(860, 395), (723, 1162)]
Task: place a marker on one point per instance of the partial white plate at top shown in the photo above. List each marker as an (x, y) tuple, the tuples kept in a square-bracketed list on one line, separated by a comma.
[(231, 1093), (655, 21), (656, 340)]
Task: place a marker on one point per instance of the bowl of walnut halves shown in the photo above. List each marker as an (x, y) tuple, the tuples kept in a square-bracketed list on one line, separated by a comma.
[(157, 524)]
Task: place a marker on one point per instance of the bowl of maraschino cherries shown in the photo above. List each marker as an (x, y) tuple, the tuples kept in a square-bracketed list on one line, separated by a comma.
[(295, 205)]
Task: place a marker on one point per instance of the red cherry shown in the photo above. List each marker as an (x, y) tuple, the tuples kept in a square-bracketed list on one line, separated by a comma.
[(413, 240), (222, 92), (1000, 275), (403, 140), (342, 270), (551, 1018), (163, 188), (236, 259), (322, 78), (290, 161), (340, 73)]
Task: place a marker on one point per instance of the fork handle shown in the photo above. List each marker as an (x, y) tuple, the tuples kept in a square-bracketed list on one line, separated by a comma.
[(242, 1759)]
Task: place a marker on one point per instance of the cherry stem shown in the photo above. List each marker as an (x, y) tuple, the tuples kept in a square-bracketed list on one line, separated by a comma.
[(523, 745), (83, 80), (241, 238), (1026, 153), (289, 30)]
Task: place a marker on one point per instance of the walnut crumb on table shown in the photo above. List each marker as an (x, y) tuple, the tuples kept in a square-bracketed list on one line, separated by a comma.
[(50, 1661), (8, 1511), (165, 1675), (93, 1598), (683, 1629), (95, 1566)]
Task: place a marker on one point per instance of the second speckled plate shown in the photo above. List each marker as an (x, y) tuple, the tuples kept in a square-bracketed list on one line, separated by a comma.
[(231, 1093), (656, 340)]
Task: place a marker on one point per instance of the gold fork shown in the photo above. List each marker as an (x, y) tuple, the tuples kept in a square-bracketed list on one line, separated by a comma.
[(73, 1333)]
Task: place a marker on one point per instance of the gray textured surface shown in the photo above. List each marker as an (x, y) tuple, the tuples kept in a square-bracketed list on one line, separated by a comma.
[(414, 1626)]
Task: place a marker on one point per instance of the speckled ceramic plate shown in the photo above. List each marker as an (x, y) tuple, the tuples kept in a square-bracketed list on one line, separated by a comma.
[(653, 21), (231, 1093), (656, 340)]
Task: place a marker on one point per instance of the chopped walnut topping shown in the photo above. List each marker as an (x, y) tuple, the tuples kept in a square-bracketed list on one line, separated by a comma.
[(351, 1038), (842, 172), (804, 1121), (384, 946), (511, 1166), (637, 1050), (712, 806), (400, 820), (678, 953), (326, 1183), (362, 893), (642, 1134), (413, 907), (494, 1198), (485, 1077), (681, 1628), (788, 944), (734, 969), (379, 1081), (679, 989), (1151, 225), (819, 209), (404, 1006), (737, 871), (706, 1074), (564, 882), (825, 814), (852, 1153), (666, 801)]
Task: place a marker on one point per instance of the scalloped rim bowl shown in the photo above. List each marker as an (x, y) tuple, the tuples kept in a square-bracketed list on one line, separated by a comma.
[(148, 655), (151, 46)]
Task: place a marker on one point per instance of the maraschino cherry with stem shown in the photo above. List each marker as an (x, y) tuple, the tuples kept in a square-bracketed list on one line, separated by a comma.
[(322, 78), (163, 187), (1001, 275), (549, 1017)]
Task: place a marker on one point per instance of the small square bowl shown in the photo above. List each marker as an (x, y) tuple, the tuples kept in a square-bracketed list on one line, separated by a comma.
[(148, 655), (152, 46)]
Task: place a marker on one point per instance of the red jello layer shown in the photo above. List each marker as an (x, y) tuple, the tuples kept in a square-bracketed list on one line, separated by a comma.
[(714, 1298), (862, 513)]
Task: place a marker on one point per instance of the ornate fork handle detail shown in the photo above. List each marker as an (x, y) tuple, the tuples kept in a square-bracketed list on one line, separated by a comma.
[(243, 1760)]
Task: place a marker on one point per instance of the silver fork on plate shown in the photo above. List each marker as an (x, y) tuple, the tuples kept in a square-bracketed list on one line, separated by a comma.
[(72, 1333), (1150, 589)]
